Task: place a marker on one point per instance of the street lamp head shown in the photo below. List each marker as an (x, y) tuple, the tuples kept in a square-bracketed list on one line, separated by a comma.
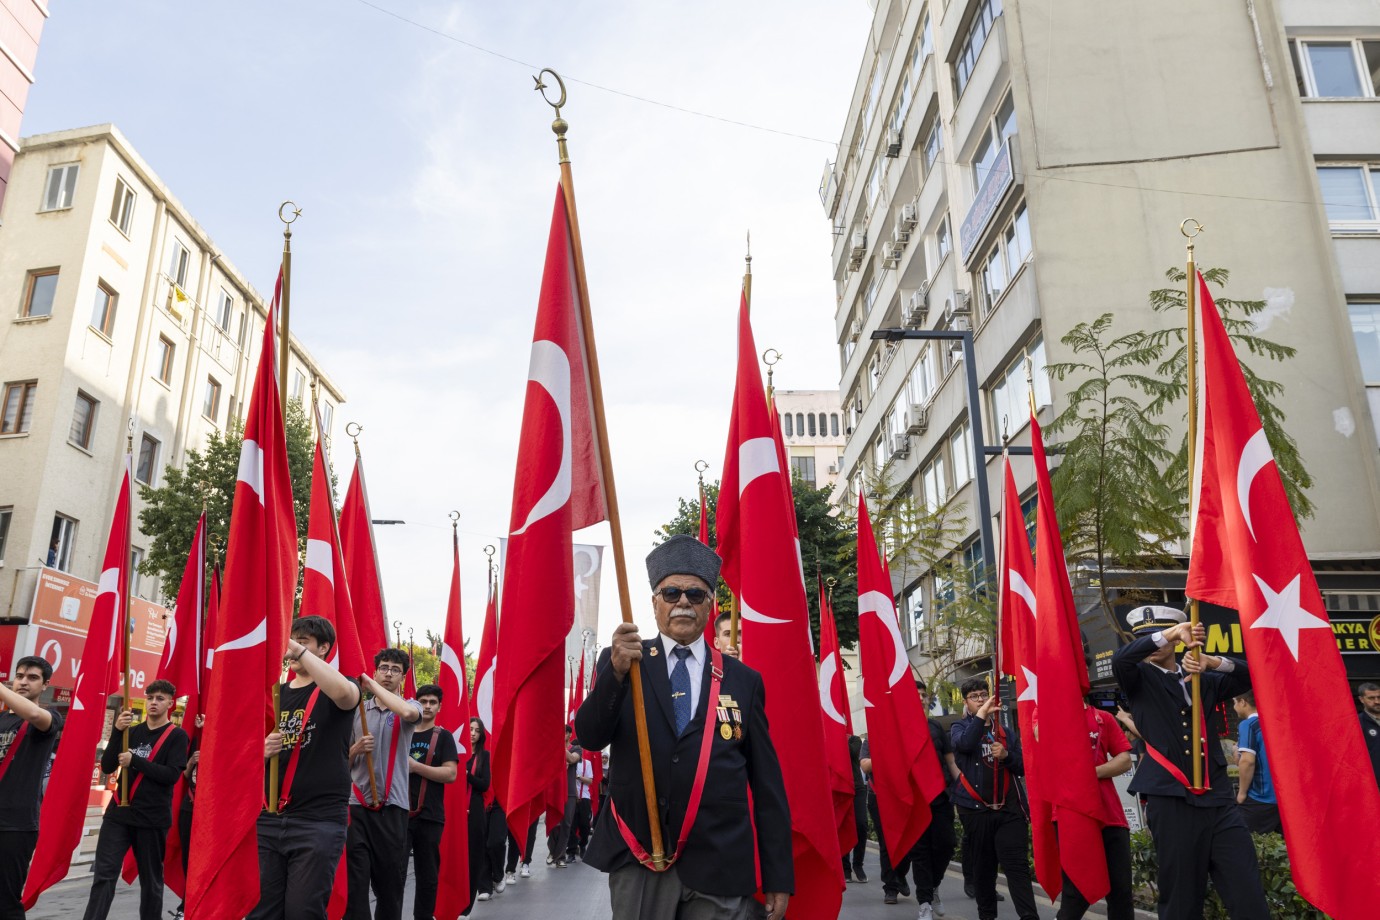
[(889, 335)]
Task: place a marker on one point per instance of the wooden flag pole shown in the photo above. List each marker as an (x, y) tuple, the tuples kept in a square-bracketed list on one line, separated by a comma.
[(733, 618), (124, 623), (560, 126), (1191, 228)]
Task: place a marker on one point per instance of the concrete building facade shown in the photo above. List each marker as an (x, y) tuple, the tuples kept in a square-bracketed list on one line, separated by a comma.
[(812, 427), (122, 320), (21, 25), (1018, 168)]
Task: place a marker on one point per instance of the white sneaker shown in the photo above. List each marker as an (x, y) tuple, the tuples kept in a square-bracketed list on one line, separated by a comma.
[(510, 878), (483, 896), (926, 912), (498, 889), (938, 907), (525, 871)]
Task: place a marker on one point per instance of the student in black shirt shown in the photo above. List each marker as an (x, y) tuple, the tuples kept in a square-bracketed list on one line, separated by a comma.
[(433, 763), (300, 846), (23, 759), (486, 842), (156, 758), (184, 810)]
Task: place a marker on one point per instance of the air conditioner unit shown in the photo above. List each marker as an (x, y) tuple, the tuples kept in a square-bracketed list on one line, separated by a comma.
[(909, 214), (917, 306), (833, 469), (958, 305), (900, 445), (855, 331), (902, 232), (893, 143), (859, 244), (917, 419), (891, 253)]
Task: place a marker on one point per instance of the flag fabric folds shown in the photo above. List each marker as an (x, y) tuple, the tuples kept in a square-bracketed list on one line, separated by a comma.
[(762, 566), (557, 489), (1248, 555), (251, 635), (1062, 749), (362, 565), (1017, 656), (98, 675), (905, 766), (453, 888), (325, 583), (182, 650), (833, 698)]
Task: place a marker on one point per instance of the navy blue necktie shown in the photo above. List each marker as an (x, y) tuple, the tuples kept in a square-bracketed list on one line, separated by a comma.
[(680, 688)]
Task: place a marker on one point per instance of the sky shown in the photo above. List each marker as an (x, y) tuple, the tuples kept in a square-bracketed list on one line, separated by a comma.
[(409, 133)]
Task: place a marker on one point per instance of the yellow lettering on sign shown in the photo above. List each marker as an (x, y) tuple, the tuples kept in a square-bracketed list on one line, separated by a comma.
[(1217, 640)]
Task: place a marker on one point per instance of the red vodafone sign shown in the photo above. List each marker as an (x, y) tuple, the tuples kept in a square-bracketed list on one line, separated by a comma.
[(59, 620)]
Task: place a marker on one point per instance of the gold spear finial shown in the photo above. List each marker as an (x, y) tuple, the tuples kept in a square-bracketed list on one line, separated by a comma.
[(770, 357), (352, 430), (559, 125), (700, 467)]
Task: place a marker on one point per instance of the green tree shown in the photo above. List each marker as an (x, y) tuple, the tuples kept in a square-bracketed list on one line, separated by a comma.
[(827, 546), (171, 510)]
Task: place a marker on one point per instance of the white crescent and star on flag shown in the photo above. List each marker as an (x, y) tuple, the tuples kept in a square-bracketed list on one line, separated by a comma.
[(550, 370), (756, 458), (828, 672)]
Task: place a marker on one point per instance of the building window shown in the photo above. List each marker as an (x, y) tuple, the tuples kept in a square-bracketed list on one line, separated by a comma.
[(1351, 196), (61, 543), (164, 356), (146, 470), (920, 383), (1337, 69), (1002, 126), (122, 208), (1010, 249), (874, 92), (935, 483), (327, 417), (244, 328), (941, 237), (934, 144), (211, 405), (83, 421), (1010, 397), (299, 385), (103, 311), (810, 418), (804, 468), (973, 41), (925, 47), (5, 515), (961, 455), (136, 559), (800, 424), (225, 310), (177, 266), (61, 187), (19, 407), (1365, 330), (914, 619), (790, 425), (39, 292), (874, 184), (833, 424)]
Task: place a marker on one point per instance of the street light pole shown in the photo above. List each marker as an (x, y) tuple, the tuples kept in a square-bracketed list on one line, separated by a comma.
[(984, 500)]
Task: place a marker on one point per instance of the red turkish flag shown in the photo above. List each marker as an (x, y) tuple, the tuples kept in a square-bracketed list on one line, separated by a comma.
[(833, 698), (181, 662), (250, 638), (1017, 655), (482, 697), (1247, 554), (63, 812), (362, 565), (453, 891), (557, 490), (325, 585), (762, 567), (905, 766), (1062, 750)]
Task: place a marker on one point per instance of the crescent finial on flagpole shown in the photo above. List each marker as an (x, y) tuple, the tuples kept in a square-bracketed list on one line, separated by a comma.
[(559, 125)]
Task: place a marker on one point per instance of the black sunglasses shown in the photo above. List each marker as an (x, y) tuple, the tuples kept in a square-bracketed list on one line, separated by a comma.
[(696, 596)]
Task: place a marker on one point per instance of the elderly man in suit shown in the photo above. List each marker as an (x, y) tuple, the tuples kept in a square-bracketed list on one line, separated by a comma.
[(707, 731), (1197, 832)]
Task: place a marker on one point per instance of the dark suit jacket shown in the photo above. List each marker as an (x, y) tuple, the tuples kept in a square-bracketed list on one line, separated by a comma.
[(718, 856), (1370, 731), (1162, 718), (969, 736)]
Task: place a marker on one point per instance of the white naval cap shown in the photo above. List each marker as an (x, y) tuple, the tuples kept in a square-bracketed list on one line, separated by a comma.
[(1152, 617)]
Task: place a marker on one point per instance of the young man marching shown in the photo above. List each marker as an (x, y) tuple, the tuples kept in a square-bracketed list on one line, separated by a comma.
[(27, 735), (376, 848), (434, 762), (299, 846), (156, 758)]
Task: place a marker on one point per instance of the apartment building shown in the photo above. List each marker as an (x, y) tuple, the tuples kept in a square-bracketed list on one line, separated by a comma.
[(123, 321), (812, 426), (21, 25), (1014, 169)]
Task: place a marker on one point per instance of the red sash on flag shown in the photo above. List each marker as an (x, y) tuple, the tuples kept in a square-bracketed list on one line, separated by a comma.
[(291, 772), (392, 762), (9, 755), (152, 754), (716, 674)]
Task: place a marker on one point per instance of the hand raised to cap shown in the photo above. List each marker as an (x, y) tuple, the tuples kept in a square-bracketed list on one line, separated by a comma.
[(624, 648)]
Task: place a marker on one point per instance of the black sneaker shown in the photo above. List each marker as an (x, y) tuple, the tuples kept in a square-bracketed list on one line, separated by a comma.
[(859, 874), (889, 897), (969, 891), (1000, 896), (905, 889)]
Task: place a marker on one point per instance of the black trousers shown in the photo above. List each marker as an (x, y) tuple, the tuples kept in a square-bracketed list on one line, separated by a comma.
[(1261, 817), (579, 829), (424, 843), (16, 849), (860, 797), (115, 841), (890, 883), (494, 840), (376, 857), (930, 856), (513, 854), (999, 838), (184, 830), (1193, 843), (1116, 842), (966, 860), (559, 836), (297, 863)]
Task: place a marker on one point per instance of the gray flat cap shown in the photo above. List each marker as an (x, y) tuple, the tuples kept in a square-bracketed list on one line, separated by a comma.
[(683, 555), (1152, 617)]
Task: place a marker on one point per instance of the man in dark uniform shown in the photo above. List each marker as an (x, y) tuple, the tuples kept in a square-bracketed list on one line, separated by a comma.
[(930, 856), (988, 800), (1196, 833), (1368, 695), (713, 872), (28, 733)]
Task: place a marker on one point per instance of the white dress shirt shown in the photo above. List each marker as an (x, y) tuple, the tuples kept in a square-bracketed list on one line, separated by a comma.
[(694, 663)]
